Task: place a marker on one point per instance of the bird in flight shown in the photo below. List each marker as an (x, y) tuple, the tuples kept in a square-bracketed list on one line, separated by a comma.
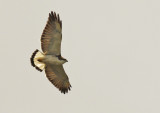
[(50, 59)]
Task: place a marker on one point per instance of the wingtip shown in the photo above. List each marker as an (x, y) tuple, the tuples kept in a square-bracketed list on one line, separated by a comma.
[(60, 85), (65, 90), (53, 16)]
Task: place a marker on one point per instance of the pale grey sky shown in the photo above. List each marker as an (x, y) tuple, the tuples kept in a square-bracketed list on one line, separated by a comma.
[(113, 49)]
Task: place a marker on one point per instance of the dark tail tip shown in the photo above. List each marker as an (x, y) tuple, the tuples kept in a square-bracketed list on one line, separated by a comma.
[(32, 60)]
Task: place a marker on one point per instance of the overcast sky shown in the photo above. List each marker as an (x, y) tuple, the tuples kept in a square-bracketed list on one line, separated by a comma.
[(113, 49)]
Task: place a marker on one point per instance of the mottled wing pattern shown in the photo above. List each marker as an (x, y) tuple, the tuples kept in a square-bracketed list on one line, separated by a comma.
[(58, 77), (52, 35)]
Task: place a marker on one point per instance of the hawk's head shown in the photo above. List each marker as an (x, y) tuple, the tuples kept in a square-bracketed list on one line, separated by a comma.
[(62, 59)]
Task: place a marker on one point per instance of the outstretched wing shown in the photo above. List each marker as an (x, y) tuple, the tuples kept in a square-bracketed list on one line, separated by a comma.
[(58, 77), (52, 35)]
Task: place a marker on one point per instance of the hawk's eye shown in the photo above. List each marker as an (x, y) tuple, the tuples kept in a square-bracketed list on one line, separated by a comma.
[(61, 58)]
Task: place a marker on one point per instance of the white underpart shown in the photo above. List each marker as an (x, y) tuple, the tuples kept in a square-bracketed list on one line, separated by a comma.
[(40, 65)]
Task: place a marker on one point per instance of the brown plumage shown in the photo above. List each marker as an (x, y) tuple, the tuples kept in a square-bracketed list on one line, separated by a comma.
[(51, 59)]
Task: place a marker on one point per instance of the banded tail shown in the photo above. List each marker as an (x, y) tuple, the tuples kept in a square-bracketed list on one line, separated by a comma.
[(36, 56)]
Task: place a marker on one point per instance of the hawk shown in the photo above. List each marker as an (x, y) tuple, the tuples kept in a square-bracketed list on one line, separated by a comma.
[(50, 59)]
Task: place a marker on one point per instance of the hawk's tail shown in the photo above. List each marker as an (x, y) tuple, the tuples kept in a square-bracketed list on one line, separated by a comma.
[(35, 60)]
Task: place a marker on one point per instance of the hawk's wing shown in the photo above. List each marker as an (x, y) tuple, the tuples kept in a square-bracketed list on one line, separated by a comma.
[(58, 77), (52, 35)]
